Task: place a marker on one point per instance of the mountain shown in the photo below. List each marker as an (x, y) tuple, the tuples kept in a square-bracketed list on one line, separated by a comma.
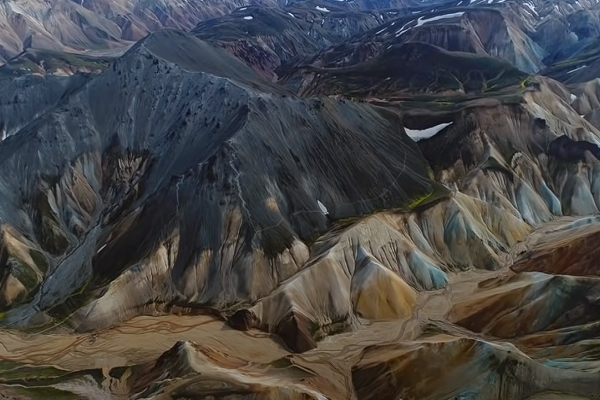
[(92, 25), (313, 199), (111, 177), (264, 38), (409, 68)]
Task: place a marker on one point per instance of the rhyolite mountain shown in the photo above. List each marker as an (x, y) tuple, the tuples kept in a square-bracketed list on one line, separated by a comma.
[(136, 157), (93, 25), (301, 200)]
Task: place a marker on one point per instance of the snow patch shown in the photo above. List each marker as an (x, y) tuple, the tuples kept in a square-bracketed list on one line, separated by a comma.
[(576, 69), (322, 207), (573, 97), (324, 9), (248, 18), (418, 134), (531, 7), (422, 21)]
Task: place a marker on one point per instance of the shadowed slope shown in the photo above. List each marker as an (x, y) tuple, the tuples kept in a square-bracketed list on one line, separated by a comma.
[(264, 37), (411, 68)]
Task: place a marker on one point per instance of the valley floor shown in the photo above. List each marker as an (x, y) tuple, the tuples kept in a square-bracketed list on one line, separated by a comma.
[(441, 317)]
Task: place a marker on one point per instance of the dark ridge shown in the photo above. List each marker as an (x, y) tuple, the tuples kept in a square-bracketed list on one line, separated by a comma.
[(566, 149), (415, 68)]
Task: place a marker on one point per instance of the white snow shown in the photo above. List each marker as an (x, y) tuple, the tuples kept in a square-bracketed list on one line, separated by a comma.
[(378, 32), (422, 21), (248, 17), (531, 7), (322, 207), (418, 134), (100, 249), (576, 69), (324, 9), (243, 8), (438, 17), (573, 97), (291, 15)]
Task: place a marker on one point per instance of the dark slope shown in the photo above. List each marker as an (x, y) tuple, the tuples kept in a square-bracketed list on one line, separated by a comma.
[(264, 37), (197, 175), (26, 97), (410, 68), (582, 66)]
